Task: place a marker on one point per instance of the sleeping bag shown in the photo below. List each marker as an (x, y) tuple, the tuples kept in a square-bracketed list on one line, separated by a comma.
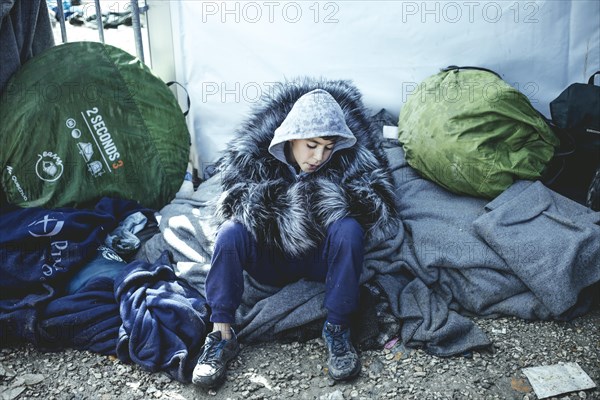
[(85, 120), (472, 133)]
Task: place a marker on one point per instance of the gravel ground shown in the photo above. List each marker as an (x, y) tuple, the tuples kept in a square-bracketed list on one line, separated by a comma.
[(298, 370)]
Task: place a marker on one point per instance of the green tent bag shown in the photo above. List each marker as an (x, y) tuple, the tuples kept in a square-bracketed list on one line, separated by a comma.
[(85, 120), (472, 133)]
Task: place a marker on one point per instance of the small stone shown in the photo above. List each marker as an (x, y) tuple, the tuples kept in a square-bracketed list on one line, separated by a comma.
[(6, 371), (376, 366), (163, 379), (32, 379), (582, 395), (337, 395), (12, 393), (19, 381)]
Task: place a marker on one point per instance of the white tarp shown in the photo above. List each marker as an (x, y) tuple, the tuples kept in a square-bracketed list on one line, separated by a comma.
[(229, 52)]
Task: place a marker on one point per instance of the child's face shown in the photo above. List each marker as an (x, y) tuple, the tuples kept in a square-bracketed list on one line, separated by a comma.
[(310, 153)]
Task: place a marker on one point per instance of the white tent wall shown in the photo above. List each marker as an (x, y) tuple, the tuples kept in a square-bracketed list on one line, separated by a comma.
[(229, 53)]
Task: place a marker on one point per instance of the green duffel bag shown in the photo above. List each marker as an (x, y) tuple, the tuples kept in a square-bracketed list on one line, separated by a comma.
[(472, 133), (85, 120)]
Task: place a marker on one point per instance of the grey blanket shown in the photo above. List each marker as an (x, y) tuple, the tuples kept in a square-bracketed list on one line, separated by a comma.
[(529, 253)]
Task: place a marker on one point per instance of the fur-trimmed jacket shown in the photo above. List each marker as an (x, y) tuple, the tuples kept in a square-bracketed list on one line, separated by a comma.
[(290, 211)]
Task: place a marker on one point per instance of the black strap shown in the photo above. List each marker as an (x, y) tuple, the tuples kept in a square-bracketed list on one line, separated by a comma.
[(591, 80), (553, 171), (558, 163), (189, 102), (456, 68), (567, 142)]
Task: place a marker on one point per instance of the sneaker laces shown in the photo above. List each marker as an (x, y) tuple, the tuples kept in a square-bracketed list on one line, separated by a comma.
[(211, 353), (339, 343)]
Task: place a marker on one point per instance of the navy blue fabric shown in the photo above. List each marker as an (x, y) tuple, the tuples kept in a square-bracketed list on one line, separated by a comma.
[(164, 319), (87, 319), (19, 317), (337, 261), (107, 263), (39, 250), (39, 245)]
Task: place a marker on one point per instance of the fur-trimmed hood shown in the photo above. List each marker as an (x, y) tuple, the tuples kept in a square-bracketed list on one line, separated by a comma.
[(293, 212)]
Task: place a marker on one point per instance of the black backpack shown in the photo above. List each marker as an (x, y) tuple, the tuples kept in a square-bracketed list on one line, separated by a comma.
[(576, 120)]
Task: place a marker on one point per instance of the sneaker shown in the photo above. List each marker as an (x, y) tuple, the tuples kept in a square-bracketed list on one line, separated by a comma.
[(212, 364), (343, 361)]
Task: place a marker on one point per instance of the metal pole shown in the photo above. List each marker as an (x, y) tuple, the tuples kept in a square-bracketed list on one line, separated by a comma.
[(99, 21), (61, 20), (137, 29)]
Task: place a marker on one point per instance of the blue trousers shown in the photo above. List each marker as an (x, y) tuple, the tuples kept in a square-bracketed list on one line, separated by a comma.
[(337, 261)]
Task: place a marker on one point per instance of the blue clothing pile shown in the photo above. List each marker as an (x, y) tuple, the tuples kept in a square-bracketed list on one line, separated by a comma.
[(164, 319), (40, 249), (60, 287)]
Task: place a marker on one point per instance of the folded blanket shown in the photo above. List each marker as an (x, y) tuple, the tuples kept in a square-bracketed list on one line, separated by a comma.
[(549, 242), (164, 319)]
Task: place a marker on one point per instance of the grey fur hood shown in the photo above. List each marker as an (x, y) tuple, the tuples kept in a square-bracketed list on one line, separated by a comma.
[(293, 212)]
